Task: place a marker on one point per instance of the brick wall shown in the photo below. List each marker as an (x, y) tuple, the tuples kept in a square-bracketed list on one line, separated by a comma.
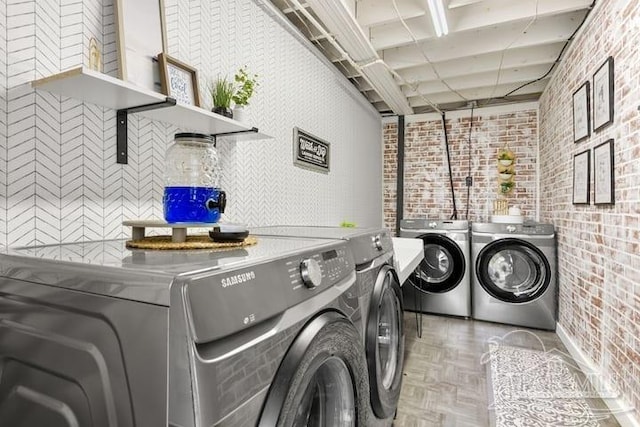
[(427, 192), (598, 249)]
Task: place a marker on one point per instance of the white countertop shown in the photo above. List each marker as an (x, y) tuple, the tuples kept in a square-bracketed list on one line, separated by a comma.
[(408, 254)]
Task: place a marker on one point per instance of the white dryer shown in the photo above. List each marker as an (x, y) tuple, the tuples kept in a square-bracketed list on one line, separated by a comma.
[(441, 283), (514, 280)]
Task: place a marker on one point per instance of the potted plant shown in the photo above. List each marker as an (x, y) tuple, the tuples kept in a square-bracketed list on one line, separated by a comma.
[(506, 187), (245, 85), (505, 157), (222, 92), (506, 174)]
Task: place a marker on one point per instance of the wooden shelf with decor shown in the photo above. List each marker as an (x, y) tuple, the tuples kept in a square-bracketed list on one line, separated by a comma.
[(97, 88)]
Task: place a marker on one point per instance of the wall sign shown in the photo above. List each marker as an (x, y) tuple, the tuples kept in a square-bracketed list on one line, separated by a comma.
[(310, 152), (178, 80)]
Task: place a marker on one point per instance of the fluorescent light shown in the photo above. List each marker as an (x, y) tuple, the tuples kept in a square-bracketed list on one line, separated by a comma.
[(380, 78), (339, 20), (436, 9)]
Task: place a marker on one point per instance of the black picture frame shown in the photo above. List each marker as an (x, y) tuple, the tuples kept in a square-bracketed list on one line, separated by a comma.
[(171, 70), (581, 113), (603, 93), (603, 174), (581, 177)]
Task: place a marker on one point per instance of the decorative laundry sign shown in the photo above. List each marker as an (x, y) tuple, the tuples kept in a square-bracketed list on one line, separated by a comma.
[(310, 152)]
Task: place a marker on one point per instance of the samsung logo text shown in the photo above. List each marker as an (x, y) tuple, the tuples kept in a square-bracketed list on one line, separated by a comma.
[(237, 279)]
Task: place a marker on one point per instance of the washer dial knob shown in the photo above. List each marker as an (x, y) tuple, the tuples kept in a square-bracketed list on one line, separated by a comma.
[(377, 242), (310, 272)]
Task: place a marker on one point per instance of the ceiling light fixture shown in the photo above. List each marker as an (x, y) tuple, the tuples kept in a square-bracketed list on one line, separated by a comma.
[(436, 9), (344, 27)]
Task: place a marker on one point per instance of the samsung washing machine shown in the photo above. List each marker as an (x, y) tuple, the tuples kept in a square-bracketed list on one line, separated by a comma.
[(515, 276), (441, 283), (381, 304), (96, 334)]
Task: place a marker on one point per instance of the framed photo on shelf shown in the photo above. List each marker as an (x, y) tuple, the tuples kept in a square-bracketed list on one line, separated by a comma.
[(603, 95), (581, 122), (581, 168), (178, 80), (140, 35), (603, 182)]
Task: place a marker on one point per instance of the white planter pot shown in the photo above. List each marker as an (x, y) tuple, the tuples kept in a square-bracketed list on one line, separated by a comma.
[(239, 114), (505, 162)]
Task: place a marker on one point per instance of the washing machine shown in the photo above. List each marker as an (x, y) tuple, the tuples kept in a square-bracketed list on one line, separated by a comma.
[(442, 282), (515, 276), (95, 334), (381, 305)]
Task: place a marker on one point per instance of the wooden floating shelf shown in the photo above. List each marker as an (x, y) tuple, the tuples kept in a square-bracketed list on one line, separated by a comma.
[(97, 88)]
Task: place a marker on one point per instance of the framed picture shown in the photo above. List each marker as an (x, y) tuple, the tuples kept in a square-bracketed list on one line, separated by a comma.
[(140, 35), (603, 174), (581, 168), (310, 152), (603, 95), (581, 123), (178, 80)]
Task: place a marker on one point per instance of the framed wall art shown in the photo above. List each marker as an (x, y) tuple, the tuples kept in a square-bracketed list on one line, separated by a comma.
[(603, 182), (581, 123), (603, 95), (581, 168), (140, 35), (178, 80), (310, 152)]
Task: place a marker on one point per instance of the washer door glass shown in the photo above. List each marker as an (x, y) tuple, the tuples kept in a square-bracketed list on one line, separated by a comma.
[(513, 270), (385, 343), (443, 266), (329, 398)]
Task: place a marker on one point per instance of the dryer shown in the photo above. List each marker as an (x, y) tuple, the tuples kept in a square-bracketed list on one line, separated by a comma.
[(442, 282), (515, 275), (381, 305), (95, 334)]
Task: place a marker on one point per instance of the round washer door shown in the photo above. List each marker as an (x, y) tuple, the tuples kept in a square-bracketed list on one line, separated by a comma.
[(320, 381), (385, 343), (443, 266), (513, 270)]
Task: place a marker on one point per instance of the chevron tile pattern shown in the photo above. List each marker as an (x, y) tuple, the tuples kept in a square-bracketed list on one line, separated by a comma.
[(3, 124), (58, 178)]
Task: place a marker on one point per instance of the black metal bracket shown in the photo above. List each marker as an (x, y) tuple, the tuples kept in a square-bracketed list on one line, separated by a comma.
[(216, 135), (122, 121)]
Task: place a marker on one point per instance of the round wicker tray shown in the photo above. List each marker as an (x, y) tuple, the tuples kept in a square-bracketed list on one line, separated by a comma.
[(192, 242)]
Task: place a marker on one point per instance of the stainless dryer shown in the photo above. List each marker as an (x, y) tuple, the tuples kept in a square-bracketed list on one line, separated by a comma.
[(515, 276), (380, 297), (94, 334), (442, 281)]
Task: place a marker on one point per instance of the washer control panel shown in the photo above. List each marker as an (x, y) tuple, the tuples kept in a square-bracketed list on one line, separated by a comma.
[(319, 269)]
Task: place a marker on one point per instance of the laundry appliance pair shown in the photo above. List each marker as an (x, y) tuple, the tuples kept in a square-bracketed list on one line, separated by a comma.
[(502, 273), (97, 334), (381, 309)]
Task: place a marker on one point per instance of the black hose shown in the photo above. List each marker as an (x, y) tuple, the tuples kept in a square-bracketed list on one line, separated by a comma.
[(559, 55), (469, 179), (446, 144)]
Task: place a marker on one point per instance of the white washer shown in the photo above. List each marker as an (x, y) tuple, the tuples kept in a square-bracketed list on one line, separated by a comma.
[(442, 282), (514, 279)]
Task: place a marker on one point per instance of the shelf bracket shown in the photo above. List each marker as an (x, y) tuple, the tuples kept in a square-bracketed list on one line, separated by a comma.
[(122, 121), (216, 135)]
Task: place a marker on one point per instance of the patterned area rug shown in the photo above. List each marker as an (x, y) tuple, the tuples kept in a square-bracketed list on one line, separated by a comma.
[(536, 388)]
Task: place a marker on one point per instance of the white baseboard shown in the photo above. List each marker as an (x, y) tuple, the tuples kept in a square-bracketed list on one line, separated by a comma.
[(616, 406)]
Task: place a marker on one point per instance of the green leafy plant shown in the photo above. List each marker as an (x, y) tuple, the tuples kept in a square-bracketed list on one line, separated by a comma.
[(245, 86), (506, 155), (506, 186), (222, 92)]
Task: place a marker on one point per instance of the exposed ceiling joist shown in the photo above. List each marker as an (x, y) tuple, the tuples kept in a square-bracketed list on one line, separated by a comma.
[(492, 48)]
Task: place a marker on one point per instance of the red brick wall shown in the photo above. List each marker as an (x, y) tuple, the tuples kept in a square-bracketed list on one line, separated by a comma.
[(427, 192), (598, 249)]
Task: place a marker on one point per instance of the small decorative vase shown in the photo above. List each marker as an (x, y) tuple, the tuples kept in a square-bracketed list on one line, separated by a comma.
[(239, 113), (223, 111)]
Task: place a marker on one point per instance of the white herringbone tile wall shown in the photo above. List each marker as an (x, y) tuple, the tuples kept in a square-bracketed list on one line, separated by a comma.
[(59, 181)]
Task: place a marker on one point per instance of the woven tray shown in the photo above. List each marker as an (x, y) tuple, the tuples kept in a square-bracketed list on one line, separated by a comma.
[(192, 242)]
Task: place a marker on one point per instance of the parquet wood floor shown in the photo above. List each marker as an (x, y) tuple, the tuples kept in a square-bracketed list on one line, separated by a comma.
[(445, 381)]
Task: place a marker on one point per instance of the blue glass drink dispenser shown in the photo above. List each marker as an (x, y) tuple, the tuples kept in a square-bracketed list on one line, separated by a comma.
[(191, 184)]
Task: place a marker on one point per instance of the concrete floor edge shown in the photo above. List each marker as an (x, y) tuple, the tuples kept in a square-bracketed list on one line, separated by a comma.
[(626, 419)]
